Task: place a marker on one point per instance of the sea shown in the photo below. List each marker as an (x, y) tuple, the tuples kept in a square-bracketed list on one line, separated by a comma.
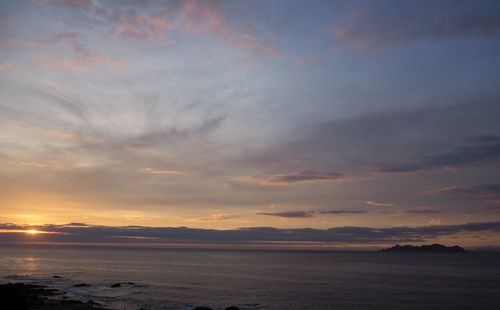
[(260, 279)]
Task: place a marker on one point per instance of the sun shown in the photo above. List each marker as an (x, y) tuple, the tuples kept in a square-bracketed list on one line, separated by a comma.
[(32, 231)]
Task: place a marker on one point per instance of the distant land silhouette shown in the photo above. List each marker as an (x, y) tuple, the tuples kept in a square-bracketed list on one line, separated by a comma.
[(425, 248)]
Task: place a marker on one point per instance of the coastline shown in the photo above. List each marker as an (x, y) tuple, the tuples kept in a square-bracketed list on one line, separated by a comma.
[(25, 296), (22, 296)]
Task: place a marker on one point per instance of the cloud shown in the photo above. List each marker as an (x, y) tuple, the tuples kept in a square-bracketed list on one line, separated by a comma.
[(396, 23), (378, 203), (483, 149), (220, 217), (430, 137), (416, 212), (308, 60), (82, 59), (5, 66), (131, 24), (309, 176), (435, 222), (69, 38), (343, 212), (202, 16), (305, 214), (157, 171), (170, 134), (83, 63), (83, 233), (220, 19), (488, 193), (68, 3), (289, 214)]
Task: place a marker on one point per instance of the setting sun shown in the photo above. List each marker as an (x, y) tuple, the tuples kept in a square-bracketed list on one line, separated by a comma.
[(32, 231)]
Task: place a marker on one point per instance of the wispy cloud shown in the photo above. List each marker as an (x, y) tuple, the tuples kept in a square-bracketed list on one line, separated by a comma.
[(308, 60), (220, 217), (82, 58), (487, 193), (159, 171), (69, 3), (413, 212), (309, 176), (396, 23), (82, 63), (69, 38), (483, 149), (289, 214), (131, 24), (343, 212), (378, 203)]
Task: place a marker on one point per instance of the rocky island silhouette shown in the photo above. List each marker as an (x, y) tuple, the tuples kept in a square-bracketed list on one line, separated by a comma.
[(426, 248)]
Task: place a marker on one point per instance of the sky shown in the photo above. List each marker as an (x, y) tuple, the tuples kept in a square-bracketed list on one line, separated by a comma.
[(335, 123)]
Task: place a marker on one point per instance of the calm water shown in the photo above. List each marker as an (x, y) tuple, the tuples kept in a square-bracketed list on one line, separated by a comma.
[(181, 279)]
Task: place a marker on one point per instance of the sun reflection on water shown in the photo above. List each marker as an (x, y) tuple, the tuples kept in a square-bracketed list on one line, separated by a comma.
[(30, 265)]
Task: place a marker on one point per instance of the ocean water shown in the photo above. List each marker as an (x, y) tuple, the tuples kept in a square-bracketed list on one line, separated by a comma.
[(283, 280)]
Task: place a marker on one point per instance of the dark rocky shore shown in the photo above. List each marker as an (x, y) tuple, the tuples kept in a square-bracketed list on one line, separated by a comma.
[(20, 296)]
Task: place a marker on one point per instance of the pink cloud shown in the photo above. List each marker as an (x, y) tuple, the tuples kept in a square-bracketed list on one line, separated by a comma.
[(83, 63), (205, 16), (5, 66), (74, 3), (65, 64), (134, 25), (248, 41), (211, 17), (82, 58), (69, 38), (308, 60)]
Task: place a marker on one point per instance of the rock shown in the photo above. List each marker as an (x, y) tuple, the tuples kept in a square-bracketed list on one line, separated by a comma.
[(11, 298), (203, 308), (232, 308), (81, 285), (120, 284), (57, 277)]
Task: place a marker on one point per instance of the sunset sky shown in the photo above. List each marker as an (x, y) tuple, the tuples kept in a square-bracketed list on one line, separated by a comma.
[(365, 122)]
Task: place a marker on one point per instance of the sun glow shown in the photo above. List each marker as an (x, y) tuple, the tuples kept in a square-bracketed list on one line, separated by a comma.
[(32, 231)]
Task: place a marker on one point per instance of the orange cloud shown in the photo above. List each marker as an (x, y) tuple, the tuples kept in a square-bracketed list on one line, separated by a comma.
[(220, 217), (435, 222)]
